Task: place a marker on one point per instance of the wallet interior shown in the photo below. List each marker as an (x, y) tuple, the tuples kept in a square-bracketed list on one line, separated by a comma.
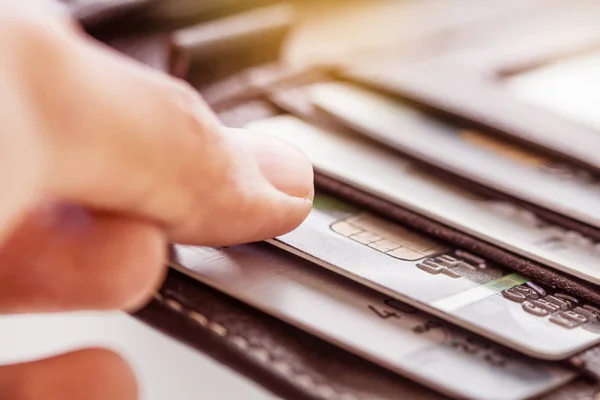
[(245, 83)]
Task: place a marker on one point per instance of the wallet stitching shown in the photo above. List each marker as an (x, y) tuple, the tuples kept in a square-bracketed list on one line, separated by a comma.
[(259, 353)]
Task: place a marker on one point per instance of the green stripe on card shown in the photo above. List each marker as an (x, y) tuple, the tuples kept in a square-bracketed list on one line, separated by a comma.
[(460, 300)]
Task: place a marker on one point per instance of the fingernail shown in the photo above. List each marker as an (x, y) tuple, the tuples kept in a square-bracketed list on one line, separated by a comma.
[(286, 167)]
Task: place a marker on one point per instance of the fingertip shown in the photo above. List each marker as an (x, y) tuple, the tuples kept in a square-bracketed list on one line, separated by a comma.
[(289, 171), (264, 189), (283, 165), (264, 217), (291, 215)]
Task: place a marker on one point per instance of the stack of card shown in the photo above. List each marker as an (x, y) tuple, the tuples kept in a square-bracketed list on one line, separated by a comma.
[(455, 235)]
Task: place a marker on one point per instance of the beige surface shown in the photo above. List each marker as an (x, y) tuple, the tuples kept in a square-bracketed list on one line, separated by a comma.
[(166, 369), (333, 29)]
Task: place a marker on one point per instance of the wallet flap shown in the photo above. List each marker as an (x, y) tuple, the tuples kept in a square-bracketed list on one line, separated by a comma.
[(286, 360)]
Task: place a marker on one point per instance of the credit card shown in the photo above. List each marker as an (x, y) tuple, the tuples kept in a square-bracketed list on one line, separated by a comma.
[(369, 324), (463, 93), (359, 162), (445, 281), (551, 86), (478, 157), (579, 389)]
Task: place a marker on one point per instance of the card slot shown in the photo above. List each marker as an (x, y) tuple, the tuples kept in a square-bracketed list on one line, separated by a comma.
[(547, 276)]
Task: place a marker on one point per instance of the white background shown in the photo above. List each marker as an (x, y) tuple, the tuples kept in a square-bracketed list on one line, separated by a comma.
[(166, 369)]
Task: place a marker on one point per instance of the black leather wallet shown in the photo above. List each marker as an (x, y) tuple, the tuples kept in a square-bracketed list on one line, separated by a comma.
[(243, 81)]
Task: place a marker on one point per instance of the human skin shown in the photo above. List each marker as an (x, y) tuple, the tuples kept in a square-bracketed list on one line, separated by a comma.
[(103, 162)]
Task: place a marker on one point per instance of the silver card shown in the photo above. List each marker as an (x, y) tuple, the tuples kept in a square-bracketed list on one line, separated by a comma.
[(372, 325), (481, 158), (444, 281), (383, 173)]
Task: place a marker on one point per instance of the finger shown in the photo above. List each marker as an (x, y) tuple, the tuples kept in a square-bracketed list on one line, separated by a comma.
[(82, 375), (21, 151), (121, 137), (65, 259), (235, 210), (19, 162)]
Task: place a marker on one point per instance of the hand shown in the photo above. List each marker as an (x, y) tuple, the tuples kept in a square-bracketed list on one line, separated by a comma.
[(104, 162)]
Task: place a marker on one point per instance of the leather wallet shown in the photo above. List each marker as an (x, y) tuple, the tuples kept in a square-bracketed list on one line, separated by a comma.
[(284, 359), (474, 64)]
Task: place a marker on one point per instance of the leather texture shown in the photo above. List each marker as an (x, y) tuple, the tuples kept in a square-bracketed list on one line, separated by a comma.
[(231, 45), (547, 276), (287, 361)]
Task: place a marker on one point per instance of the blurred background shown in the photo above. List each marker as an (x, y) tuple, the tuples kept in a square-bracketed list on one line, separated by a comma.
[(544, 52), (534, 48)]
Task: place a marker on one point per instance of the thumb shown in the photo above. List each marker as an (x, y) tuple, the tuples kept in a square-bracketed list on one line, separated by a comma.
[(123, 138)]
